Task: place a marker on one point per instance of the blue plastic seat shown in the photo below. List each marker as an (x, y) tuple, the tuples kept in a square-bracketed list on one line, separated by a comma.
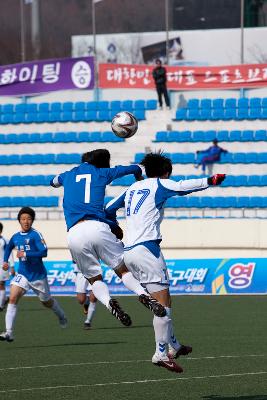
[(54, 116), (60, 137), (16, 180), (193, 104), (264, 102), (79, 116), (209, 136), (260, 135), (42, 117), (242, 202), (198, 136), (218, 103), (161, 136), (254, 113), (7, 108), (181, 114), (127, 105), (205, 103), (92, 105), (12, 138), (27, 159), (139, 105), (223, 136), (253, 180), (46, 137), (235, 136), (243, 102), (140, 114), (151, 104), (230, 103), (204, 114), (185, 136), (62, 158), (83, 137), (96, 136), (247, 136), (251, 158), (217, 114), (193, 114), (229, 114), (206, 202), (90, 115), (115, 106), (138, 157), (67, 106), (264, 113), (7, 119), (262, 158), (193, 202), (242, 113), (230, 202), (79, 106), (5, 181), (239, 158), (255, 202), (226, 158), (240, 180), (66, 116), (48, 158), (103, 115), (20, 108), (56, 107), (43, 107), (189, 158), (255, 102), (31, 108), (23, 138), (264, 180), (103, 105), (5, 201)]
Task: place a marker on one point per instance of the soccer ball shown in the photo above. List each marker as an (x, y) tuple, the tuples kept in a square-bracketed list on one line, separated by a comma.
[(124, 124)]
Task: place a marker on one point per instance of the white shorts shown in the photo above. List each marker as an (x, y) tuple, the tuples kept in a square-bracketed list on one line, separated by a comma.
[(81, 284), (92, 241), (147, 268), (4, 275), (40, 287)]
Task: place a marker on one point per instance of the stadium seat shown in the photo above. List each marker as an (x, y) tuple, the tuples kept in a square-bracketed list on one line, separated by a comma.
[(95, 136), (92, 105), (217, 114), (161, 136), (20, 108), (31, 108), (127, 105), (59, 137), (185, 136), (205, 103), (218, 103), (5, 201), (255, 202), (43, 107), (242, 202), (7, 108), (139, 105), (67, 106), (204, 114), (193, 202), (198, 136), (193, 104), (46, 137), (181, 114), (251, 158), (230, 103), (223, 136), (255, 102), (42, 117), (229, 114), (264, 113), (247, 136), (115, 106), (66, 116), (242, 103), (209, 136), (151, 104), (54, 116), (260, 135), (253, 180), (47, 158), (79, 106), (235, 136), (55, 107), (242, 113), (79, 116), (193, 114), (140, 114), (254, 113), (5, 181), (90, 115), (83, 136), (103, 105), (103, 115), (262, 158), (7, 118)]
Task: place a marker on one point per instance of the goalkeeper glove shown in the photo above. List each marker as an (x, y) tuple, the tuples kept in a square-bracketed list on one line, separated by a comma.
[(216, 179)]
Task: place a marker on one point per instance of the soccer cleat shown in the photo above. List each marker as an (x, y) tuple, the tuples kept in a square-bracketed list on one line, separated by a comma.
[(87, 326), (6, 336), (166, 362), (118, 313), (182, 351), (85, 308), (63, 322), (153, 305)]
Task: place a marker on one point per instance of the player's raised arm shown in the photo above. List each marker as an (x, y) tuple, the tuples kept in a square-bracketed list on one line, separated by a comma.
[(57, 181), (113, 206), (120, 170)]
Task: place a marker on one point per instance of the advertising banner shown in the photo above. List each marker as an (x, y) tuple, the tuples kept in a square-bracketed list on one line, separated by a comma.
[(184, 78), (46, 76), (199, 276)]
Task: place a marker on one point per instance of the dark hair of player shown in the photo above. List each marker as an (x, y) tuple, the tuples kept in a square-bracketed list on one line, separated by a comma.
[(26, 210), (1, 227), (156, 165), (99, 158)]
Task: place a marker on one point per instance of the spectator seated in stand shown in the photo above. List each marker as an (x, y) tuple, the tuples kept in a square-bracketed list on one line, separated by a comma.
[(209, 156)]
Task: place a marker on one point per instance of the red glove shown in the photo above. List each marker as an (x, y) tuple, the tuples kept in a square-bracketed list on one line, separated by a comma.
[(216, 179)]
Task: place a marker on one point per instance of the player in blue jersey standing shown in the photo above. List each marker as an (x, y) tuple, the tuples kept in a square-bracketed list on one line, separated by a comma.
[(90, 237), (144, 202), (31, 274)]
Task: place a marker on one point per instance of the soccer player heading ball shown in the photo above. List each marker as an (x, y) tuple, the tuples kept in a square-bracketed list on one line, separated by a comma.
[(144, 202)]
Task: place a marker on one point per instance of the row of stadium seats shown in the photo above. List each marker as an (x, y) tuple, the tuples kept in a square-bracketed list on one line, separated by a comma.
[(209, 135), (176, 202), (228, 158), (217, 202), (227, 114), (231, 180), (177, 158), (65, 116), (243, 102), (31, 201), (69, 106), (59, 137)]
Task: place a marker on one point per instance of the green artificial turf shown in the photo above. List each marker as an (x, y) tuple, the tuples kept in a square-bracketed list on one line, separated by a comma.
[(113, 362)]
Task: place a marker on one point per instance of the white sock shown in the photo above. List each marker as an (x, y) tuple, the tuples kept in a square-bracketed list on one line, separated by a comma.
[(101, 292), (11, 313), (132, 284), (173, 341), (90, 313), (161, 328), (2, 298), (57, 309)]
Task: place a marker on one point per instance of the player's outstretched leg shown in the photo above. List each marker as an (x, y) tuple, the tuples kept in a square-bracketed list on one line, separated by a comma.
[(101, 292), (90, 312), (55, 307), (176, 349), (153, 305)]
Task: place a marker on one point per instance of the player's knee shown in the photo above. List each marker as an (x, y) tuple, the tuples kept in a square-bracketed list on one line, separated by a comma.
[(95, 278), (2, 285), (121, 269), (47, 303), (81, 298)]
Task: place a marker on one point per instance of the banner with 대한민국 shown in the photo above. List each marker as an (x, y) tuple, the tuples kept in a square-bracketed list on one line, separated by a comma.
[(46, 76), (198, 276)]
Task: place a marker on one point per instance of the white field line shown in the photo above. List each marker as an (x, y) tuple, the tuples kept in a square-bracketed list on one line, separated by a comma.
[(133, 382), (124, 362)]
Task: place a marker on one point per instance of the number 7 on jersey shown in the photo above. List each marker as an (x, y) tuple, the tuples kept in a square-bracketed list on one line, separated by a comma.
[(87, 178)]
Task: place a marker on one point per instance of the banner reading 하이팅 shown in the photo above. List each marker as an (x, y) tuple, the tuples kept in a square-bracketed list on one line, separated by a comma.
[(200, 276), (184, 78), (46, 76)]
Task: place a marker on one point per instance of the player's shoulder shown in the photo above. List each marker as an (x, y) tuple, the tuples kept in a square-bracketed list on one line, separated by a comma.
[(35, 233)]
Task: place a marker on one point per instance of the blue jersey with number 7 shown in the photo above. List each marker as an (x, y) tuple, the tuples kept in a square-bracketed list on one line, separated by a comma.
[(84, 190)]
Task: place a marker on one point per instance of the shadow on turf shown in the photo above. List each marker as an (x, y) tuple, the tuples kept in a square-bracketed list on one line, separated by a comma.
[(67, 344), (215, 397)]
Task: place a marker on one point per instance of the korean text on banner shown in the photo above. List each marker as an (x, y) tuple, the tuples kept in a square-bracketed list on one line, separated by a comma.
[(46, 76), (184, 78)]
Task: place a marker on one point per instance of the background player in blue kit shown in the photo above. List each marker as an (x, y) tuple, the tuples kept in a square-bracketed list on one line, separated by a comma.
[(144, 202), (90, 238), (4, 275), (31, 248)]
